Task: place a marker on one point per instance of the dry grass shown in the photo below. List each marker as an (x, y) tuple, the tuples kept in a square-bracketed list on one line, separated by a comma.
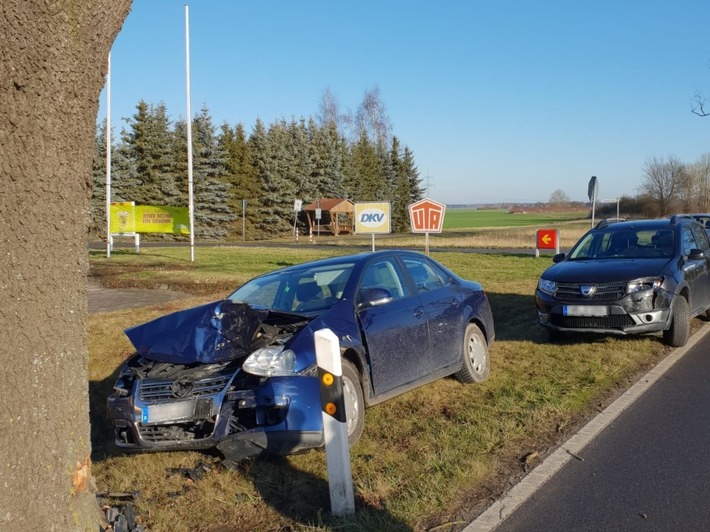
[(433, 457)]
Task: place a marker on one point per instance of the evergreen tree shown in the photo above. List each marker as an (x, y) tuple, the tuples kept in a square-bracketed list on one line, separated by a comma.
[(148, 144), (326, 155), (366, 182), (123, 180), (241, 177), (211, 193), (401, 195), (97, 220), (280, 183), (409, 169)]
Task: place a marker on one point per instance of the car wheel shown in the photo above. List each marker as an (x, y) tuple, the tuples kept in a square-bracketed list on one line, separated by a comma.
[(475, 365), (678, 333), (354, 402)]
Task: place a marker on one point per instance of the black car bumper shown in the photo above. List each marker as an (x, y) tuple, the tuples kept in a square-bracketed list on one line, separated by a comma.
[(639, 313)]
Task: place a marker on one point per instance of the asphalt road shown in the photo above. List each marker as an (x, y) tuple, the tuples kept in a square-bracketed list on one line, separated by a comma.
[(648, 470)]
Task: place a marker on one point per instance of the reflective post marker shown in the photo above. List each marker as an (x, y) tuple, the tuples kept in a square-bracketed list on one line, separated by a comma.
[(335, 431)]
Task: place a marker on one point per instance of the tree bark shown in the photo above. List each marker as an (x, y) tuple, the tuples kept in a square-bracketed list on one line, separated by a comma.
[(53, 61)]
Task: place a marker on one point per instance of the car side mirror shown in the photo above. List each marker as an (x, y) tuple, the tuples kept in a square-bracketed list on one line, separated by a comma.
[(696, 254), (559, 257), (374, 297)]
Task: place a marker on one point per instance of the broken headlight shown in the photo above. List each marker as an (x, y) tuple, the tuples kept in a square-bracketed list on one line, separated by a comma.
[(645, 283), (272, 361)]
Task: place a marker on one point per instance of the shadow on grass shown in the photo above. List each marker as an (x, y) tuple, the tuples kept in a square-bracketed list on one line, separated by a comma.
[(305, 499), (102, 433), (515, 318)]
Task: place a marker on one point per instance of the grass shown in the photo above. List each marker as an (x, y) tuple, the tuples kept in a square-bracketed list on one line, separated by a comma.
[(433, 457)]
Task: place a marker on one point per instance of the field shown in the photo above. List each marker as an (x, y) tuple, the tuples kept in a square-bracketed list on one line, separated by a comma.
[(458, 219), (431, 459)]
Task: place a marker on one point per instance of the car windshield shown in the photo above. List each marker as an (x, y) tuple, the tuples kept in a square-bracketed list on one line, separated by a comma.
[(625, 244), (309, 289)]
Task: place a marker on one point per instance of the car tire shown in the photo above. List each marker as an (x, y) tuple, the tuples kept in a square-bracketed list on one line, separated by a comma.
[(475, 364), (678, 333), (354, 402)]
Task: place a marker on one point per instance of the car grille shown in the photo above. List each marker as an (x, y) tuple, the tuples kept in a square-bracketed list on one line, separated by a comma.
[(159, 391), (615, 321), (602, 292)]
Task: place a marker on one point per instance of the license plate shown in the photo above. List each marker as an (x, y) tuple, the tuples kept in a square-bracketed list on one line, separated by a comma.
[(167, 412), (585, 310)]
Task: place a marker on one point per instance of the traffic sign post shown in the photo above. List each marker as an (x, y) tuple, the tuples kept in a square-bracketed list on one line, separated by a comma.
[(593, 193), (297, 204), (426, 216), (547, 239)]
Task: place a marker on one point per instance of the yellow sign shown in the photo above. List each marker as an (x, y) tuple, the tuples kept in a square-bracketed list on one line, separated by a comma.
[(373, 217), (123, 217), (127, 217), (151, 219)]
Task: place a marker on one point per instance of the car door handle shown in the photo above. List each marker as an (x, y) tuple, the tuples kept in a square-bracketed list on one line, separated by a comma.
[(418, 312)]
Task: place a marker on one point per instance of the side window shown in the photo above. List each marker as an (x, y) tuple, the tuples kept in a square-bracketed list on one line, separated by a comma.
[(424, 277), (384, 274), (687, 241), (701, 237)]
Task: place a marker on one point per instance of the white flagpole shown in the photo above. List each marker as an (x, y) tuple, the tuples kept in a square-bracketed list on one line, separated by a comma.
[(191, 207), (108, 158)]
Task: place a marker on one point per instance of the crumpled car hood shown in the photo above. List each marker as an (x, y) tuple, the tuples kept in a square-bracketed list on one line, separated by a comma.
[(215, 332)]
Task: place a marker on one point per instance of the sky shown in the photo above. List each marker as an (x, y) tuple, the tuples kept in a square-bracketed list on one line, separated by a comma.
[(500, 101)]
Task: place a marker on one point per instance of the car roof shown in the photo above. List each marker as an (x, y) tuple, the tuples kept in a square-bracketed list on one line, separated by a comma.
[(356, 258), (658, 223)]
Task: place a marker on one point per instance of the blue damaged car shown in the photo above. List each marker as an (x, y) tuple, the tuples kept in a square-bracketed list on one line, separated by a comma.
[(240, 374)]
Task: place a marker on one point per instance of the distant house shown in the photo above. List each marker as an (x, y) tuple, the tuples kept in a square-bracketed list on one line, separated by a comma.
[(337, 216)]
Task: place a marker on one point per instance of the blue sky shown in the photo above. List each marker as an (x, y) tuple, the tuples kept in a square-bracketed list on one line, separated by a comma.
[(500, 101)]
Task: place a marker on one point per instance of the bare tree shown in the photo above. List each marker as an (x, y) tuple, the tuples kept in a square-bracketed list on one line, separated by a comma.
[(662, 181), (329, 109), (700, 106), (52, 65), (699, 176), (559, 198), (372, 120)]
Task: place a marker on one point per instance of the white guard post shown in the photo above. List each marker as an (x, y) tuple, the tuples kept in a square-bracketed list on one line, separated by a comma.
[(335, 432)]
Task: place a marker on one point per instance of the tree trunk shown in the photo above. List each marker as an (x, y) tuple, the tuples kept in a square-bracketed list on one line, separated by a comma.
[(53, 60)]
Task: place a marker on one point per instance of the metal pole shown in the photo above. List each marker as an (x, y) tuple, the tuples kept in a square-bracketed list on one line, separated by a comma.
[(108, 158), (244, 222), (191, 207)]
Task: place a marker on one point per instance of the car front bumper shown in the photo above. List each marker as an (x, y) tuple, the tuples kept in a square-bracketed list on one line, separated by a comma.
[(643, 312), (279, 415)]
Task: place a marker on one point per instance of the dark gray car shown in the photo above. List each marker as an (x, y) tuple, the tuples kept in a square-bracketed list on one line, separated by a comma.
[(629, 277)]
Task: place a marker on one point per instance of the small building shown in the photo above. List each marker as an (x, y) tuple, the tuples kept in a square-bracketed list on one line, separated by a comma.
[(337, 216)]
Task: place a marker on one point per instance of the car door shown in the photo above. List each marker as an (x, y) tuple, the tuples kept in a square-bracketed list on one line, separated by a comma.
[(699, 269), (442, 301), (395, 333)]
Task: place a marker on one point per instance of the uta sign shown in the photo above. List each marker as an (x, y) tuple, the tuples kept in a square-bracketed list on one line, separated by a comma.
[(427, 216)]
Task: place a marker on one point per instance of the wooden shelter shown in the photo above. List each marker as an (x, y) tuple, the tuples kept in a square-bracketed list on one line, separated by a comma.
[(337, 216)]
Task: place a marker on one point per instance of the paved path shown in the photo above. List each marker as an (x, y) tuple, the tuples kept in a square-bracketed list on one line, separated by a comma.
[(106, 300)]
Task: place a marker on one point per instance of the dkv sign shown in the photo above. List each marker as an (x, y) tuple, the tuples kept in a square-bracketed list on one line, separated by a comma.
[(373, 217)]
